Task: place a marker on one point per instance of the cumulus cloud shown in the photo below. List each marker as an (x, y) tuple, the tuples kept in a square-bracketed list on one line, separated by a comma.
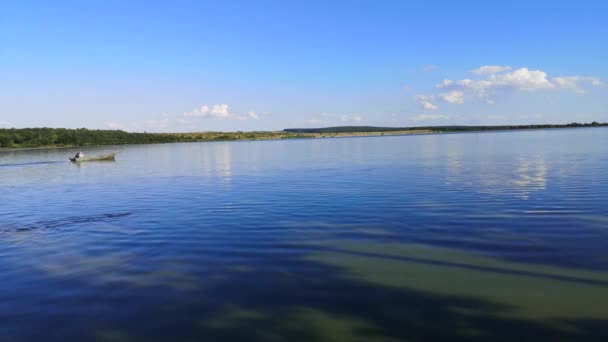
[(494, 79), (218, 111), (491, 69), (197, 112), (520, 79)]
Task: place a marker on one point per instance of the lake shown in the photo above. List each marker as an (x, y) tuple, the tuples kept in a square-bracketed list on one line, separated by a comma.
[(479, 236)]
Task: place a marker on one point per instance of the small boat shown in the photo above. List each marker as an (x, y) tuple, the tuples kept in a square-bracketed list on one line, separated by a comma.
[(104, 157)]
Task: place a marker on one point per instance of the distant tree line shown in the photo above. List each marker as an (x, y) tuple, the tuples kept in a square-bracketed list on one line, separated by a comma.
[(359, 129), (57, 137), (36, 137)]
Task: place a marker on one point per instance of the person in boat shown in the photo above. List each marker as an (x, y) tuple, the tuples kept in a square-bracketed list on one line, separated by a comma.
[(79, 155)]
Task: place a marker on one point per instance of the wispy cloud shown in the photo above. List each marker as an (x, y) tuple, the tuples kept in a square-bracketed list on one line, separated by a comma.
[(491, 69), (430, 68), (250, 115), (115, 126), (315, 121), (188, 120), (426, 101), (335, 119), (351, 118), (430, 101), (428, 117), (455, 96), (152, 125), (575, 83)]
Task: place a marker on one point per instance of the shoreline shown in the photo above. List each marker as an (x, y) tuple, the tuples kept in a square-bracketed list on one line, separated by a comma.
[(286, 135), (280, 135)]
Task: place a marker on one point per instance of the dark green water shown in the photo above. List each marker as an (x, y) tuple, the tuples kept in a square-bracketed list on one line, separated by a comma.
[(488, 236)]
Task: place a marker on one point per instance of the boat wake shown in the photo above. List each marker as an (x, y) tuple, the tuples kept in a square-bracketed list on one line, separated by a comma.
[(32, 164), (64, 222)]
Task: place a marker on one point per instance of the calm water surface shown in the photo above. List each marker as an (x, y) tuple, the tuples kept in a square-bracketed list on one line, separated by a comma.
[(488, 236)]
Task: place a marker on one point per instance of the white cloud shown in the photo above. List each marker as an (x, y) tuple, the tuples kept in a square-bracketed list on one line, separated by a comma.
[(201, 111), (491, 69), (455, 96), (523, 79), (520, 79), (218, 111), (428, 117), (5, 124), (501, 79), (427, 102)]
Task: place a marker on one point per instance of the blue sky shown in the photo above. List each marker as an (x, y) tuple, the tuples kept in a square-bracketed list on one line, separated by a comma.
[(265, 65)]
